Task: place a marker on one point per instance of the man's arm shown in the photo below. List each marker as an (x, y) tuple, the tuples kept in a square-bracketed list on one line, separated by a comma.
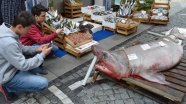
[(13, 54)]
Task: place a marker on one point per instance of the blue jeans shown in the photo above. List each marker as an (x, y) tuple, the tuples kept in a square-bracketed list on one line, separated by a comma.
[(26, 81), (54, 48)]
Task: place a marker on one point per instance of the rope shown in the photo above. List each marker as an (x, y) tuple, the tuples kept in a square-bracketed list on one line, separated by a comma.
[(123, 49)]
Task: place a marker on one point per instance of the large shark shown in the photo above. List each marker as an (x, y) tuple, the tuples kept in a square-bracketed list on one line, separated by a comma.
[(145, 60)]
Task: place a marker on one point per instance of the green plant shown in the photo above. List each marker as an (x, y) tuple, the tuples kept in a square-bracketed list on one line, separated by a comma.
[(144, 6), (51, 3)]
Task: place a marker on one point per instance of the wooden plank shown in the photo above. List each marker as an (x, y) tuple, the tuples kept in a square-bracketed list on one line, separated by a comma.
[(176, 84), (76, 11), (175, 75), (159, 89), (181, 72)]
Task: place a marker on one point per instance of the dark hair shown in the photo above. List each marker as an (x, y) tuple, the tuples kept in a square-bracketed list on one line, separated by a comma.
[(37, 9), (24, 18)]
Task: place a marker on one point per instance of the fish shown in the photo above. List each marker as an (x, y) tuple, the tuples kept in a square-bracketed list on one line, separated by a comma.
[(145, 60)]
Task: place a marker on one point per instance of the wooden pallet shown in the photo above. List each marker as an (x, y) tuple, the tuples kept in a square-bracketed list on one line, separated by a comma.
[(172, 93)]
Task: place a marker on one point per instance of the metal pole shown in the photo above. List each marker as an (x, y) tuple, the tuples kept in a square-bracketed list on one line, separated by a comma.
[(89, 70)]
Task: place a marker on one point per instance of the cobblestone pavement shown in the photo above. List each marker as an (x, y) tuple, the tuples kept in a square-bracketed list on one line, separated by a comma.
[(67, 88)]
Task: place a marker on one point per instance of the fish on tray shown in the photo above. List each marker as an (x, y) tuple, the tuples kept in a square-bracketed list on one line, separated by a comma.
[(144, 60)]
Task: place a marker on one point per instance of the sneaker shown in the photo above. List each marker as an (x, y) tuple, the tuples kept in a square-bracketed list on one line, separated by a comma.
[(42, 71), (9, 96)]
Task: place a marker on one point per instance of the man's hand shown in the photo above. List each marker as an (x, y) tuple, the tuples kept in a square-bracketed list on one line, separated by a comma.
[(46, 50), (39, 49), (58, 31)]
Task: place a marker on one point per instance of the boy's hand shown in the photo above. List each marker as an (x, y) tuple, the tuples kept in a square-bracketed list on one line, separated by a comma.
[(58, 31)]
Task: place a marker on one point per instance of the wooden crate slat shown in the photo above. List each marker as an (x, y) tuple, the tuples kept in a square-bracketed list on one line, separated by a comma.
[(180, 67), (159, 89), (181, 72), (176, 84), (182, 64), (174, 75), (77, 11)]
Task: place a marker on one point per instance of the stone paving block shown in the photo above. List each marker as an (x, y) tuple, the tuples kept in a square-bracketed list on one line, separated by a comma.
[(97, 88), (108, 92), (84, 98), (124, 96), (148, 101), (67, 101), (19, 101), (110, 102), (89, 101), (95, 99), (44, 100), (129, 101), (131, 93), (119, 102), (138, 101), (97, 93), (31, 101), (105, 86), (117, 96), (103, 102), (54, 100), (75, 75)]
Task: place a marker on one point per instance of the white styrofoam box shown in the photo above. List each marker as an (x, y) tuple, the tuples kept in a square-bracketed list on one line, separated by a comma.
[(96, 28), (86, 46), (101, 18), (89, 12), (108, 24)]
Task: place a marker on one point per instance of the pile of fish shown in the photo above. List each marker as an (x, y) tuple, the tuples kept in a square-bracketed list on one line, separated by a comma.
[(159, 17), (141, 14), (160, 11), (73, 2), (126, 8), (126, 21), (145, 60), (112, 19), (68, 25), (93, 7), (102, 13)]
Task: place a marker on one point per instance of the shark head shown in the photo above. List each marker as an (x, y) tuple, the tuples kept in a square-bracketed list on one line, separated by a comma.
[(114, 61)]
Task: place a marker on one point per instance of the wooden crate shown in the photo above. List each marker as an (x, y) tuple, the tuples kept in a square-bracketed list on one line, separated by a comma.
[(126, 29), (108, 28), (87, 17), (162, 22), (172, 93), (98, 22), (144, 20), (160, 6), (160, 2), (73, 11)]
